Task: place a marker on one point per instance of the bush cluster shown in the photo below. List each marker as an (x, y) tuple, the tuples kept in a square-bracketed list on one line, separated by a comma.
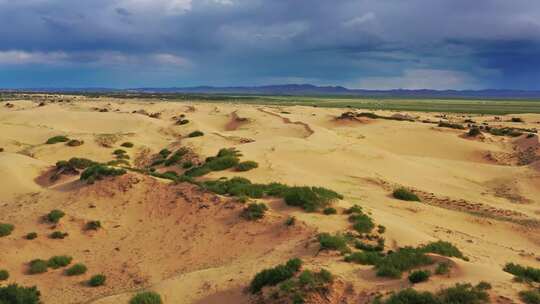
[(98, 172), (146, 297), (460, 293), (405, 195), (246, 166), (176, 157), (276, 275), (419, 276), (362, 223), (59, 261), (310, 198), (6, 229), (329, 211), (333, 242), (225, 159), (38, 266), (254, 211), (15, 294), (297, 288), (530, 296), (444, 124), (524, 273)]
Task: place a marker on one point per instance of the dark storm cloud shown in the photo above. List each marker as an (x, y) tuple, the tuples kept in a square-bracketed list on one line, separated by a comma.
[(359, 43)]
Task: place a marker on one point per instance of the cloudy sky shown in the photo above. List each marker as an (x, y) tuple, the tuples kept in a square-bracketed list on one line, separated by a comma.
[(374, 44)]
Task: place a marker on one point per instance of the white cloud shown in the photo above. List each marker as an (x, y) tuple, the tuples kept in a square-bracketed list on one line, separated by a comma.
[(15, 57), (357, 21), (420, 79)]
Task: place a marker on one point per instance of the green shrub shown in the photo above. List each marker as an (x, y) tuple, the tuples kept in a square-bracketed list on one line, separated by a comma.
[(522, 272), (246, 165), (361, 222), (98, 172), (254, 211), (329, 211), (333, 242), (6, 229), (164, 153), (273, 276), (76, 269), (56, 139), (93, 225), (364, 258), (15, 294), (474, 131), (4, 275), (187, 164), (59, 261), (443, 248), (222, 163), (37, 266), (369, 247), (460, 293), (418, 276), (411, 296), (530, 296), (58, 235), (310, 198), (381, 229), (483, 285), (55, 215), (405, 195), (31, 236), (176, 157), (195, 134), (97, 280), (354, 209), (127, 144), (516, 119), (406, 258), (442, 268), (119, 152), (75, 143), (146, 297)]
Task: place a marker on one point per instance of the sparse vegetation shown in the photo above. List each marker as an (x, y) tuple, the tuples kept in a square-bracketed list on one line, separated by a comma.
[(59, 261), (405, 195), (354, 209), (419, 276), (460, 293), (176, 157), (31, 236), (4, 275), (442, 268), (443, 248), (56, 139), (146, 297), (195, 134), (58, 235), (290, 221), (76, 269), (15, 294), (333, 242), (37, 266), (93, 225), (530, 296), (297, 288), (97, 280), (362, 223), (254, 211), (6, 229), (364, 258), (524, 273), (246, 166), (310, 198), (276, 275), (55, 215), (225, 159), (98, 172)]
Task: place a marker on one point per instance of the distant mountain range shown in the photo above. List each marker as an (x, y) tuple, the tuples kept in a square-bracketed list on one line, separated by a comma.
[(312, 90)]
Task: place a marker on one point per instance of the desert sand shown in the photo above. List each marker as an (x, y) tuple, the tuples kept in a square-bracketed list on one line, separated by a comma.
[(191, 246)]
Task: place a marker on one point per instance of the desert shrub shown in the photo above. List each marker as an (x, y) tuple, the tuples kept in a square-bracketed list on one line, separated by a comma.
[(164, 153), (418, 276), (81, 163), (15, 294), (56, 139), (530, 296), (146, 297), (474, 131), (37, 266), (310, 198), (254, 211), (118, 162), (273, 276), (127, 144), (444, 124), (93, 225), (75, 143), (222, 163), (176, 157), (516, 119), (364, 258), (195, 134), (483, 285), (4, 274), (442, 268), (460, 293), (361, 222), (369, 247), (76, 269), (443, 248), (55, 215), (290, 221), (59, 261), (119, 152), (98, 172), (58, 235), (122, 157), (198, 171), (411, 296), (333, 242), (6, 229), (329, 211), (405, 195), (354, 209), (505, 132), (97, 280), (524, 273), (182, 122), (187, 164), (406, 258), (381, 229), (246, 165), (31, 236)]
